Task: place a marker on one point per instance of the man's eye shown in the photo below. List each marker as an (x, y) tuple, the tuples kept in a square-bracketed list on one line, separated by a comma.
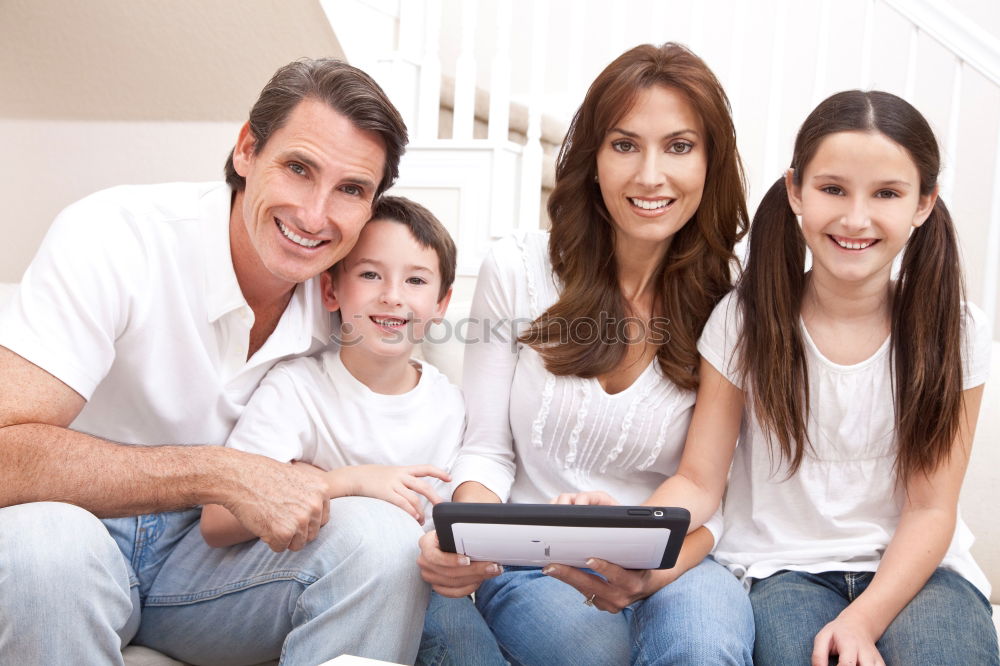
[(353, 190), (297, 168)]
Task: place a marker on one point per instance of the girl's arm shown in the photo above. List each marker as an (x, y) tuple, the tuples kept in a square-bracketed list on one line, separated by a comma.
[(708, 451), (926, 527)]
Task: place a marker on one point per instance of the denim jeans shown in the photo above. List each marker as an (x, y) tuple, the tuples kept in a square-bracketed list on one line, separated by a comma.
[(455, 634), (703, 617), (948, 622), (74, 589)]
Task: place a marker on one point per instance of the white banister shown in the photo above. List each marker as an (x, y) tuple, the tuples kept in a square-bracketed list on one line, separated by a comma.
[(772, 131), (429, 92), (465, 76), (499, 122), (951, 139), (991, 272), (866, 46), (822, 53), (531, 157), (967, 40), (910, 87)]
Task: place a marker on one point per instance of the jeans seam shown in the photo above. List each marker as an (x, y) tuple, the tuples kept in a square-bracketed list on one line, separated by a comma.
[(216, 593)]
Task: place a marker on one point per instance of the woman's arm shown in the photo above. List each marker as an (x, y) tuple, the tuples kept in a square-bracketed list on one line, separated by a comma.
[(926, 527), (708, 450)]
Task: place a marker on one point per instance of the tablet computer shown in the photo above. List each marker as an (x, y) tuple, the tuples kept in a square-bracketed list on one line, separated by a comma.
[(633, 537)]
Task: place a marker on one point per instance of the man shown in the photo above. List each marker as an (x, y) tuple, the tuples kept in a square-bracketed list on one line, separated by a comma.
[(137, 336)]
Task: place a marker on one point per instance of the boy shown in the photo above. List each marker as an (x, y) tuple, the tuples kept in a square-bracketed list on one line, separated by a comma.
[(371, 418)]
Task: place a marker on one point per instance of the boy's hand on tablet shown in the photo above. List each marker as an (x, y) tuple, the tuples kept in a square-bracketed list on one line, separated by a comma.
[(399, 485), (452, 574), (590, 497)]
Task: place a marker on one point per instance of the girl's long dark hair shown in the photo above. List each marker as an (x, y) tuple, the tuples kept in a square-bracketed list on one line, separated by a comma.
[(926, 298), (695, 273)]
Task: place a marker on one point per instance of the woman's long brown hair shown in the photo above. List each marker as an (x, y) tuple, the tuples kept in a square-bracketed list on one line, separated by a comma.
[(926, 298), (695, 272)]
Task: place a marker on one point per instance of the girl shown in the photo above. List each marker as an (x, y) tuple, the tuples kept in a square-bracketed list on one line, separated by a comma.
[(597, 389), (861, 394)]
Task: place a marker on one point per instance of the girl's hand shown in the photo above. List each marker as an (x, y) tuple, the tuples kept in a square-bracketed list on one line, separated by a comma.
[(850, 639), (621, 587), (396, 485), (590, 497), (451, 574)]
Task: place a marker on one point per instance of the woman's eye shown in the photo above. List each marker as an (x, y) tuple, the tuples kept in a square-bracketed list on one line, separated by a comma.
[(623, 146), (680, 148)]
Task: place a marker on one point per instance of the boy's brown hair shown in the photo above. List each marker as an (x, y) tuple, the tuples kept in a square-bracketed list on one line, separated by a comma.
[(425, 228)]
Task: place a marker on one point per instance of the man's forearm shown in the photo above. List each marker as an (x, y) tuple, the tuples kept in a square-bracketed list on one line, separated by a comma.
[(49, 463)]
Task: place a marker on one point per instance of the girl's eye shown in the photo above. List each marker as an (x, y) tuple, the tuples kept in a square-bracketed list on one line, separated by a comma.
[(623, 146), (416, 280), (297, 168), (369, 275), (886, 194), (832, 189), (680, 148)]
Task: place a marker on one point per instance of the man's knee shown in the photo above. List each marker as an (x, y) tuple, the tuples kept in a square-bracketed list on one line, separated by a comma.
[(54, 545)]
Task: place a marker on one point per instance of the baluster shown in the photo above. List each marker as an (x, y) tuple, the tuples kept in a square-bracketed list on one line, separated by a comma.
[(429, 92), (866, 45), (991, 271), (465, 76), (822, 53), (951, 140), (531, 157), (910, 89), (771, 168), (499, 123)]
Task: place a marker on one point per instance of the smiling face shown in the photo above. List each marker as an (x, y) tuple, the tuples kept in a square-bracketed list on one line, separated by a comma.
[(308, 193), (387, 291), (651, 168), (859, 198)]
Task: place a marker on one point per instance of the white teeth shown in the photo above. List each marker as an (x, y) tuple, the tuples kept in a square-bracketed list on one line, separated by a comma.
[(390, 322), (295, 238), (650, 205), (854, 245)]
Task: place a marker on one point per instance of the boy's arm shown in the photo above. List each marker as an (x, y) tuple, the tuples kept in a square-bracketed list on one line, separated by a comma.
[(221, 528)]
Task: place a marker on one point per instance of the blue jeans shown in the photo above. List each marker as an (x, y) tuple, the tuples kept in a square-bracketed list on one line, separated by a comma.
[(455, 634), (948, 622), (703, 617), (75, 589)]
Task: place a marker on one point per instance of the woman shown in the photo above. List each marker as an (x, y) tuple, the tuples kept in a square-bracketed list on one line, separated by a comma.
[(597, 392)]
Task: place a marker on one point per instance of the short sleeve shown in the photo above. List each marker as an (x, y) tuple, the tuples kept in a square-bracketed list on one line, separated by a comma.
[(977, 345), (276, 422), (75, 298), (719, 338)]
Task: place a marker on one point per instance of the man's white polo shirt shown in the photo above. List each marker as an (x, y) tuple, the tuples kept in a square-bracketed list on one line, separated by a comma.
[(133, 302)]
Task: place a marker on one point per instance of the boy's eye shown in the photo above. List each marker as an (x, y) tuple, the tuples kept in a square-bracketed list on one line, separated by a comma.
[(623, 146), (416, 280), (369, 275)]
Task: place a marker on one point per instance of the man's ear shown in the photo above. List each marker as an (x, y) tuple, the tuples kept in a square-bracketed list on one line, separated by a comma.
[(329, 294), (244, 151), (442, 306), (794, 192)]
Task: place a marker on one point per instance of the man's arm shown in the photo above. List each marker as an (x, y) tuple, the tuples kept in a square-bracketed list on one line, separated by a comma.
[(42, 460)]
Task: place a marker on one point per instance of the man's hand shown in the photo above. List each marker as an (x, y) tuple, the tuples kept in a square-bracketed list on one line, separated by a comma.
[(451, 574), (283, 504), (397, 485)]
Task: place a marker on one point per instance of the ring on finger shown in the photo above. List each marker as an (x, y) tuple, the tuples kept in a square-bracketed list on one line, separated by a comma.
[(589, 601)]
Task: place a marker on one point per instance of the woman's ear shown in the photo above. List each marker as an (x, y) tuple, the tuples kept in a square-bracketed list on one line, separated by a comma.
[(794, 192)]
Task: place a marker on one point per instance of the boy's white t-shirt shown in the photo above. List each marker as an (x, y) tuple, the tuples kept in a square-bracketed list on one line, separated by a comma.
[(314, 410), (840, 510)]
